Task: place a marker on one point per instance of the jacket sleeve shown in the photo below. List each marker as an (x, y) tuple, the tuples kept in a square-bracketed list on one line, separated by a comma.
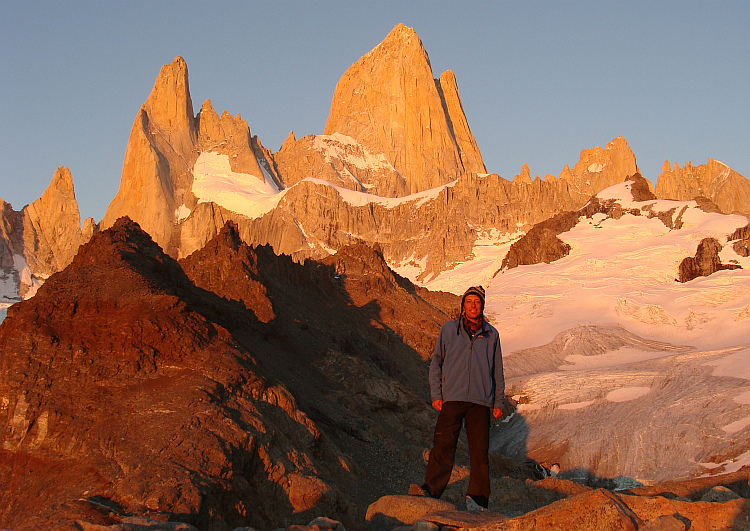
[(436, 369), (499, 376)]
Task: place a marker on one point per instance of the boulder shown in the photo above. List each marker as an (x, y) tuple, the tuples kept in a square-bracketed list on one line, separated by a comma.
[(590, 511), (720, 494), (705, 262), (399, 510)]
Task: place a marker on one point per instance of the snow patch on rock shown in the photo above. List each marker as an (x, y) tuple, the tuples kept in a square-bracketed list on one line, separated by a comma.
[(249, 195)]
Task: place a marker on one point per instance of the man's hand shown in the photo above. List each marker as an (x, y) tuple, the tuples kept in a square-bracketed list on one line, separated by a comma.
[(497, 413), (437, 404)]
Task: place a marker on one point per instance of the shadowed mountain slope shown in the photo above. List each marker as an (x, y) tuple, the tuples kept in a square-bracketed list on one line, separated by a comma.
[(127, 386)]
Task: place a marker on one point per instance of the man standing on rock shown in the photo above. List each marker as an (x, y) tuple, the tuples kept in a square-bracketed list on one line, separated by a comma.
[(466, 384)]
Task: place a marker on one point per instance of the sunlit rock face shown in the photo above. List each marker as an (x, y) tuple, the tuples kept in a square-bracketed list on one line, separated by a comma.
[(716, 181), (390, 102), (41, 239), (161, 151)]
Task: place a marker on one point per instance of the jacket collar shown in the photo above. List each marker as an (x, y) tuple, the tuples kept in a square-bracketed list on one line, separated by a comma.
[(482, 332)]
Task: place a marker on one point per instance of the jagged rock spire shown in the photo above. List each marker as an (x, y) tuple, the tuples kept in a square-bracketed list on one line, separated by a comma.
[(389, 102), (161, 151)]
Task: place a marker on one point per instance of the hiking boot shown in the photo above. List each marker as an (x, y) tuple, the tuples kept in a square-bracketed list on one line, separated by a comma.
[(472, 505)]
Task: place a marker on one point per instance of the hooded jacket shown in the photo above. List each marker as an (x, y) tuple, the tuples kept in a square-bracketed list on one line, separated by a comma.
[(468, 369)]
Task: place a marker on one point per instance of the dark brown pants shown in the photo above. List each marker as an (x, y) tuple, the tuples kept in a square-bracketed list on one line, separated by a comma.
[(447, 430)]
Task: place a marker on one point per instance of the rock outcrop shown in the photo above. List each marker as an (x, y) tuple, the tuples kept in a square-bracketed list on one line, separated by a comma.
[(540, 243), (705, 262), (716, 181), (719, 502), (389, 102), (741, 241), (599, 168), (230, 135), (222, 392), (340, 160)]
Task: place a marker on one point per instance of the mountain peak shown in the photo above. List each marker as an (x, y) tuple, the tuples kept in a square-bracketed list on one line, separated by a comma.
[(389, 102), (401, 30), (62, 181), (399, 38), (53, 225), (169, 106), (713, 180), (161, 151)]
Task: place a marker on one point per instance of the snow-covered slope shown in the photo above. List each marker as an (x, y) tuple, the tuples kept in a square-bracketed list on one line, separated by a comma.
[(252, 196), (624, 370), (214, 181)]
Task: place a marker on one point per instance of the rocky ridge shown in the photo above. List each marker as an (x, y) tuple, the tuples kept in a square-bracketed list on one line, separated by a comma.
[(212, 396), (705, 262)]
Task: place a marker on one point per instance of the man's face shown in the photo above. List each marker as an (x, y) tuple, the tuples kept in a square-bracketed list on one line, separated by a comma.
[(472, 307)]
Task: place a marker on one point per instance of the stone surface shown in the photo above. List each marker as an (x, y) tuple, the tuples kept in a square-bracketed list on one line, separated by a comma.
[(464, 519), (43, 237), (459, 125), (590, 511), (228, 135), (51, 231), (340, 160), (697, 516), (395, 510), (599, 168), (137, 524), (696, 488), (741, 240), (665, 523), (720, 494)]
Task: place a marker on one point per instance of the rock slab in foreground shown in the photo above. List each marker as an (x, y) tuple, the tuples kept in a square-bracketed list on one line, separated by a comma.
[(399, 510)]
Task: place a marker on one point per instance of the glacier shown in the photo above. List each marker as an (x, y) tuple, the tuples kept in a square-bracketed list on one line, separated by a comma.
[(621, 369)]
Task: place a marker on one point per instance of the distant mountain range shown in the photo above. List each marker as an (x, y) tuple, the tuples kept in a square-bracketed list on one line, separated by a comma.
[(397, 166)]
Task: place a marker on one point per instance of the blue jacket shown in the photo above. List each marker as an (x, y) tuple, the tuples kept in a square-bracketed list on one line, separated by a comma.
[(468, 369)]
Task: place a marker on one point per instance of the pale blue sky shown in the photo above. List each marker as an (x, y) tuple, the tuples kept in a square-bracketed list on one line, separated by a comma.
[(539, 81)]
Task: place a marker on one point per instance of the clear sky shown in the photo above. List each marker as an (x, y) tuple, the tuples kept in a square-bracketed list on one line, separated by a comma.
[(539, 81)]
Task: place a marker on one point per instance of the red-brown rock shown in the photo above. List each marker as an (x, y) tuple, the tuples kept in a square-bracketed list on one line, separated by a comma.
[(125, 385)]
